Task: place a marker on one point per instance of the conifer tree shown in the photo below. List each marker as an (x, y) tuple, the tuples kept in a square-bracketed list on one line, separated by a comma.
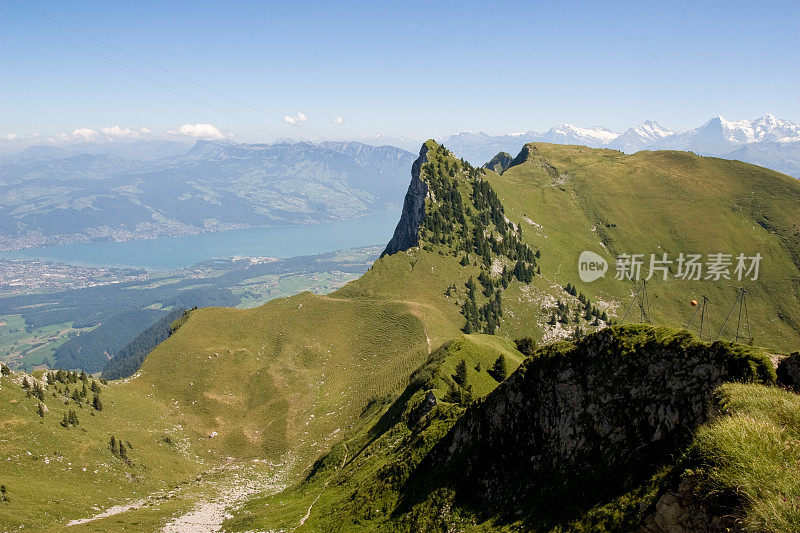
[(461, 373), (526, 345), (37, 391), (96, 403), (499, 370)]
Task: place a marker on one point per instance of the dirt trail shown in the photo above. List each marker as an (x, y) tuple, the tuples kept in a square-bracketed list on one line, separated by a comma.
[(214, 494), (310, 507)]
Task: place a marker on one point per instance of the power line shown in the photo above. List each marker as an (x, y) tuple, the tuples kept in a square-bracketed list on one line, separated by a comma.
[(146, 77)]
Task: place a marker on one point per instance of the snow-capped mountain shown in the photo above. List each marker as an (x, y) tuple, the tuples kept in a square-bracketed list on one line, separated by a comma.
[(406, 143), (769, 141), (718, 136), (595, 136), (647, 134)]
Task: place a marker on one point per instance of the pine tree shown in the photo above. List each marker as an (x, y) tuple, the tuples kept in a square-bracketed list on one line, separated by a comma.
[(4, 370), (114, 445), (25, 383), (461, 373), (40, 409), (96, 403), (526, 345), (499, 370)]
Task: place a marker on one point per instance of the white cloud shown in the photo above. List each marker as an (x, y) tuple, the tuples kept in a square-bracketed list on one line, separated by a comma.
[(338, 120), (115, 132), (84, 134), (297, 119), (9, 137), (199, 131)]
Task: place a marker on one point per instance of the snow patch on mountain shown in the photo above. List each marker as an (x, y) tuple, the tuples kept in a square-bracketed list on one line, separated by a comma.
[(770, 141)]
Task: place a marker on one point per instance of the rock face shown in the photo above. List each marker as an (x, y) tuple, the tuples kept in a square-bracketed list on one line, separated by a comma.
[(589, 414), (406, 234), (499, 163), (789, 372), (523, 156), (680, 510)]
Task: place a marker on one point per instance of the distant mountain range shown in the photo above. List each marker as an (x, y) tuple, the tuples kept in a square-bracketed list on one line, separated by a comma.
[(767, 141), (52, 195)]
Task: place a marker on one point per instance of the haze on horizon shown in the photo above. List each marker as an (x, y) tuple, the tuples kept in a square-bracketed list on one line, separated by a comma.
[(309, 70)]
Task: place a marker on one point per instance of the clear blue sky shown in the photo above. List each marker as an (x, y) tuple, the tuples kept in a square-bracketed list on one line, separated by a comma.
[(417, 69)]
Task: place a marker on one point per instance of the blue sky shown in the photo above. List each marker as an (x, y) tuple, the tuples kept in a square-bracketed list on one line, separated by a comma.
[(418, 69)]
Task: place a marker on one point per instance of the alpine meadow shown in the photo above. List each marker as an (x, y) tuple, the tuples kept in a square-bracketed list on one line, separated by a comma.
[(338, 411), (446, 267)]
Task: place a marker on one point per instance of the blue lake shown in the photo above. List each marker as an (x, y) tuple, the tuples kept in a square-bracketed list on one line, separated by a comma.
[(174, 252)]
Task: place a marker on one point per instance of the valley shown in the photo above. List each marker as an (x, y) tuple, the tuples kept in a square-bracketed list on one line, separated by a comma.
[(96, 311)]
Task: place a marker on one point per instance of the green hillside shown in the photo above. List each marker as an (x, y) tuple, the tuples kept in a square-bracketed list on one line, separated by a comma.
[(571, 198), (310, 387), (577, 439)]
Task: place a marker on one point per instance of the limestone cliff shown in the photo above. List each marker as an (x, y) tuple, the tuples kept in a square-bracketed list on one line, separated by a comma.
[(406, 234)]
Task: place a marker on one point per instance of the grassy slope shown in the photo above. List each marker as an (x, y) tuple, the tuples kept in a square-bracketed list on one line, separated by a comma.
[(754, 452), (662, 202), (293, 376), (288, 376), (43, 463), (750, 451), (340, 493)]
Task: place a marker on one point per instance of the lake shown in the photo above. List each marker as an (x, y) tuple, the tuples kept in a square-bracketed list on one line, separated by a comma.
[(168, 253)]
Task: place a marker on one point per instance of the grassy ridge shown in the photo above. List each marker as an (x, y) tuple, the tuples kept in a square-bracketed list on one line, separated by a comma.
[(288, 376), (571, 198)]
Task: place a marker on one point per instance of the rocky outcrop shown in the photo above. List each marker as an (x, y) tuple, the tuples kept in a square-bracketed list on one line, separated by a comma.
[(680, 510), (499, 163), (406, 234), (789, 372), (581, 417), (425, 407), (524, 155)]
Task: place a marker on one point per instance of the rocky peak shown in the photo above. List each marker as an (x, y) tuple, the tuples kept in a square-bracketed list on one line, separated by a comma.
[(499, 163), (406, 234)]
